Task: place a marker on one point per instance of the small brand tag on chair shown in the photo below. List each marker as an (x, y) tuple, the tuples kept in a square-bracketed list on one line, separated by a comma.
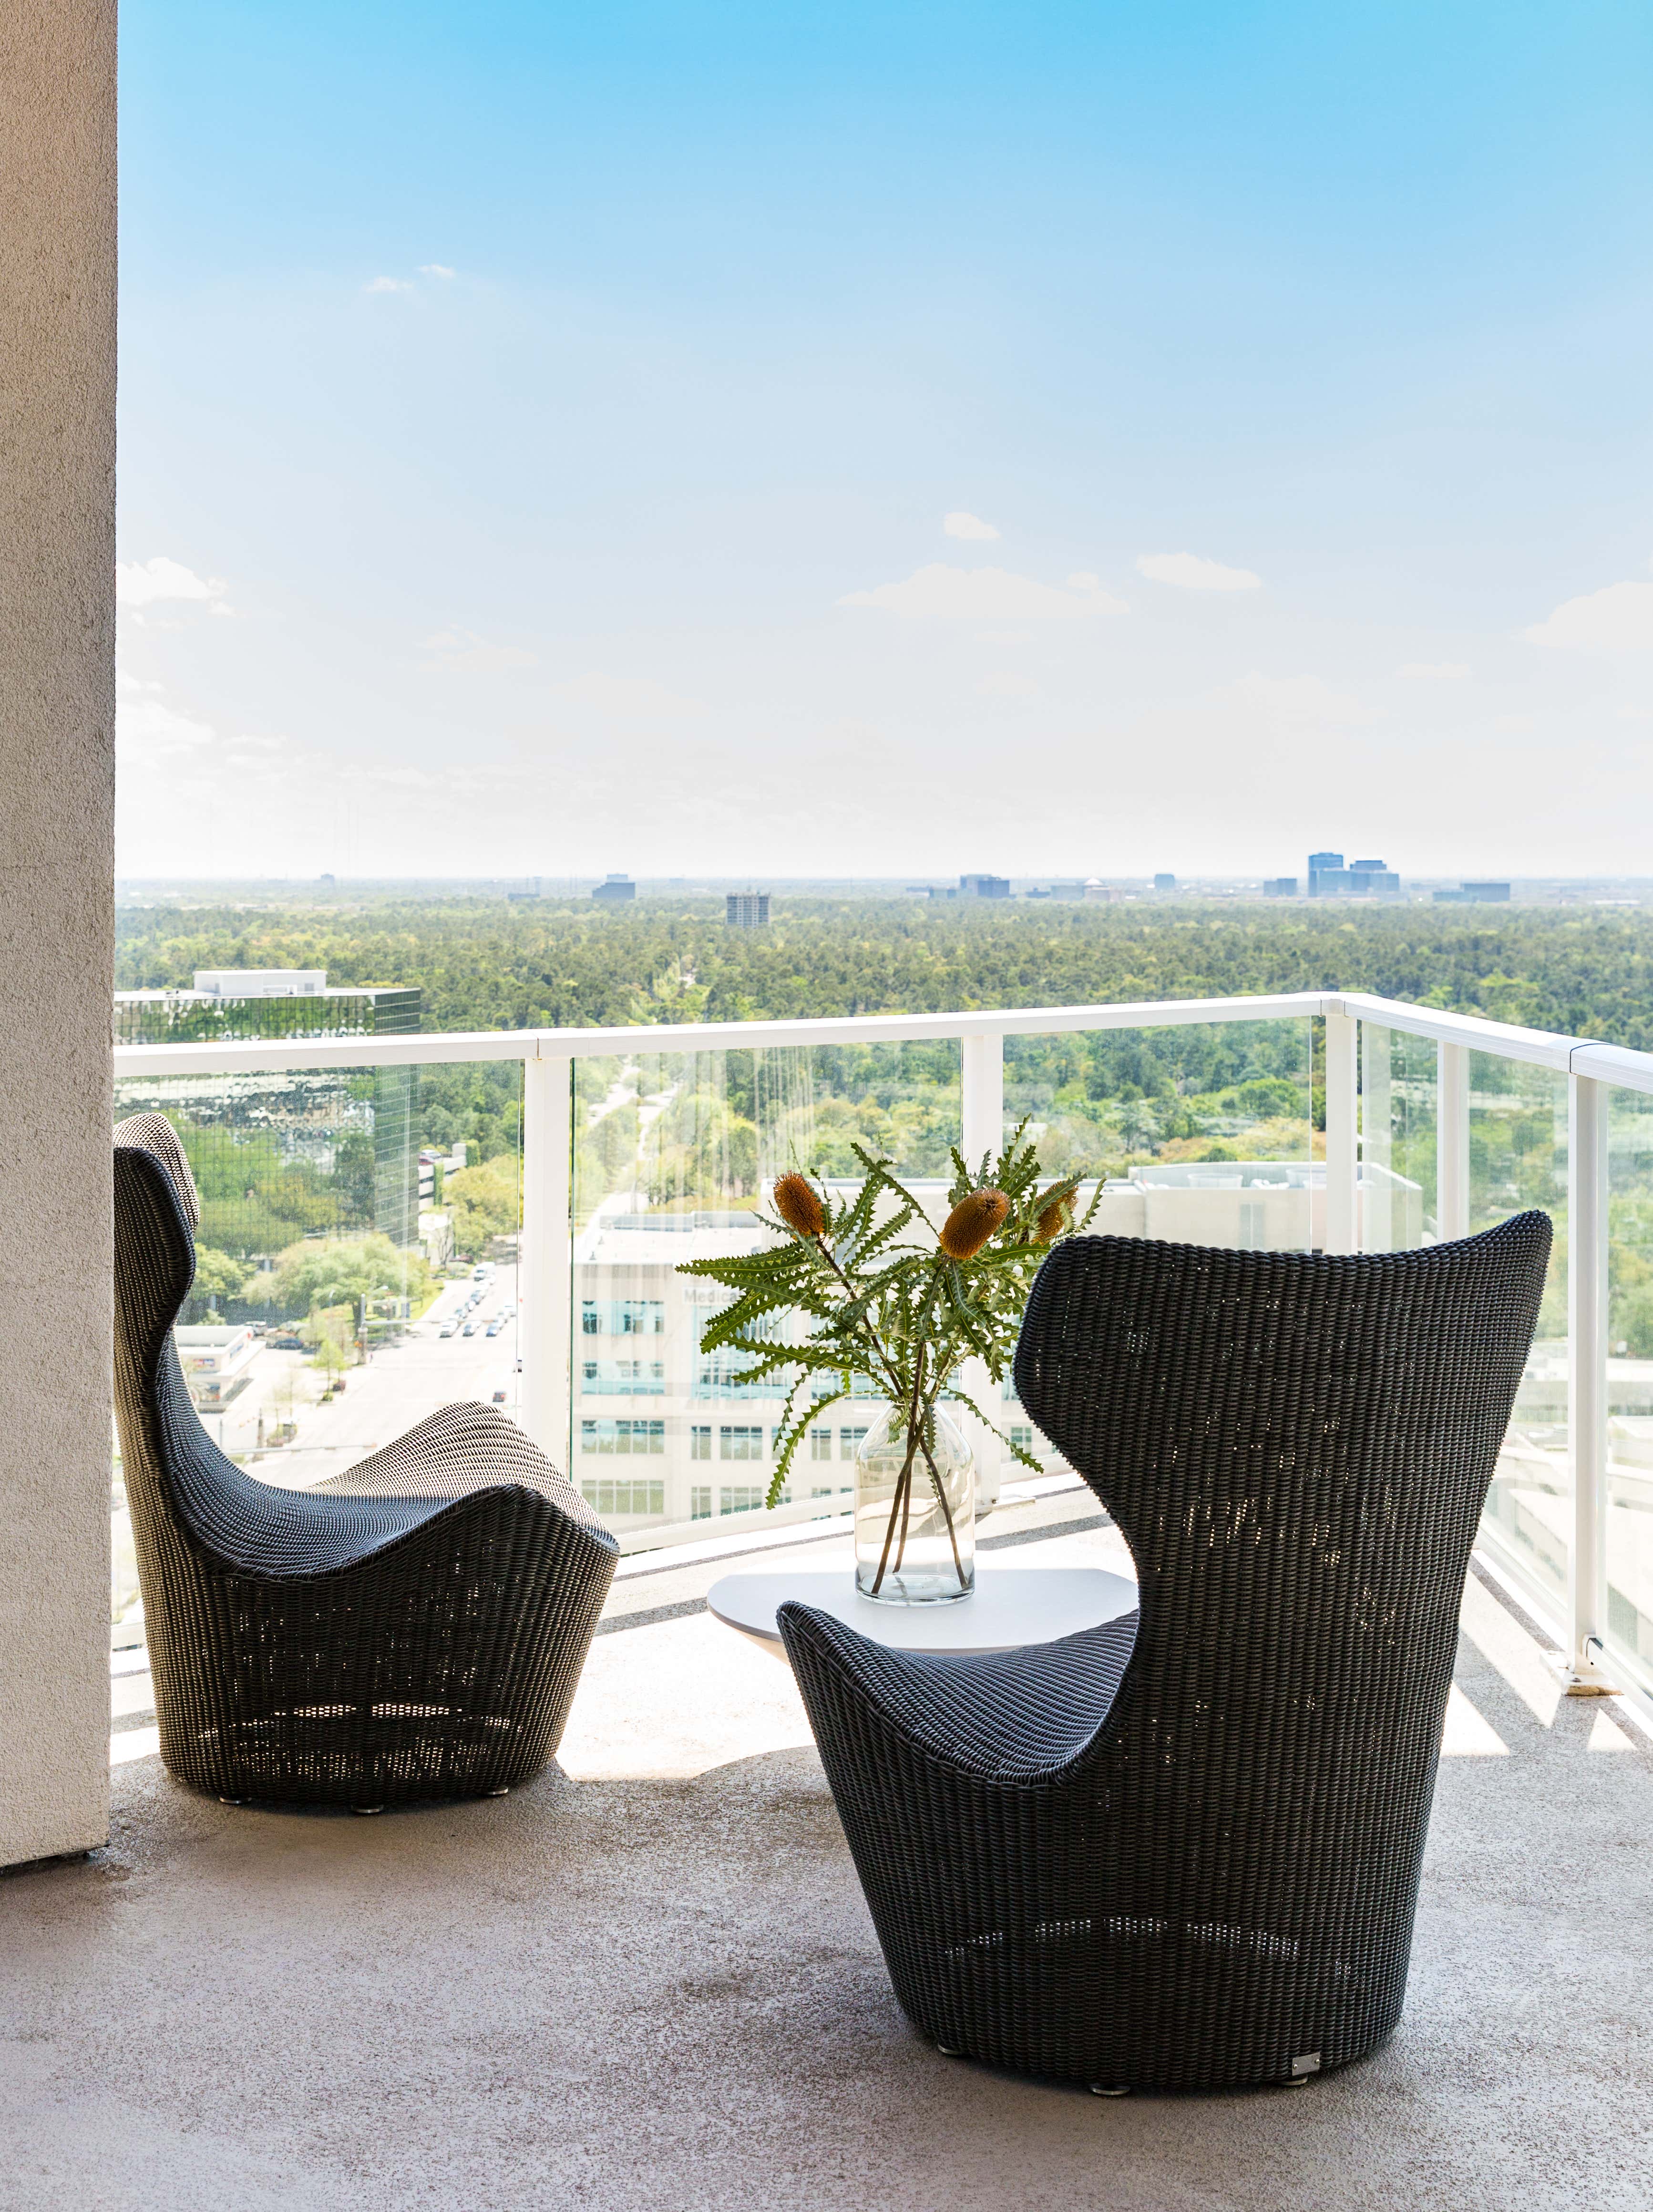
[(1309, 2063)]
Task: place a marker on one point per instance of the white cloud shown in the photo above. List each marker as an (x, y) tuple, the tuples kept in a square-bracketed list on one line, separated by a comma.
[(1634, 715), (1005, 684), (388, 284), (435, 268), (1005, 636), (628, 698), (937, 592), (150, 734), (1619, 618), (1435, 672), (1191, 574), (1515, 723), (1297, 699), (464, 649), (958, 524), (145, 583), (147, 733)]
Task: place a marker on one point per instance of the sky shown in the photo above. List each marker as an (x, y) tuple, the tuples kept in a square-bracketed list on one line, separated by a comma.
[(885, 439)]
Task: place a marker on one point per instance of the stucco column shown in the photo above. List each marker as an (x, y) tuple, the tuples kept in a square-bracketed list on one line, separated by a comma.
[(56, 881)]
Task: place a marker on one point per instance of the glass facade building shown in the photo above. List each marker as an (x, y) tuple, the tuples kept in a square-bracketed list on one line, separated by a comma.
[(359, 1132)]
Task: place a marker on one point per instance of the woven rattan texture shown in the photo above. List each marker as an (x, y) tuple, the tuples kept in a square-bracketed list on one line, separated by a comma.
[(413, 1629), (154, 1132), (1207, 1876)]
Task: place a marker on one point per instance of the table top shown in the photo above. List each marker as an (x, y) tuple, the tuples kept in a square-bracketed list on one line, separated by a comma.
[(1009, 1606)]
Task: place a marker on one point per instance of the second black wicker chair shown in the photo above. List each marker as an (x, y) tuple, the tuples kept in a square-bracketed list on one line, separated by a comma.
[(1183, 1850), (413, 1629)]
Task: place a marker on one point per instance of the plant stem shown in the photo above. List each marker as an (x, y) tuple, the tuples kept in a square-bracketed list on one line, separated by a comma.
[(904, 1481), (946, 1510)]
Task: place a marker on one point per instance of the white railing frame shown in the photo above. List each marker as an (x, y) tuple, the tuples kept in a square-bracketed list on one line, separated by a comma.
[(1593, 1070)]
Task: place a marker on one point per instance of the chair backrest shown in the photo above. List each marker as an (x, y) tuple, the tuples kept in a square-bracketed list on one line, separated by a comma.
[(157, 1211), (1297, 1450), (178, 1483)]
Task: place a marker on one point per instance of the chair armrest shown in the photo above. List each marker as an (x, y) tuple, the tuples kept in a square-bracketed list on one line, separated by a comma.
[(456, 1450), (1013, 1716)]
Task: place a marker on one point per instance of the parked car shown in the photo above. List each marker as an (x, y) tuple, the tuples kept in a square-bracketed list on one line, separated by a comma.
[(479, 1275), (447, 1328), (495, 1327), (288, 1343), (500, 1397), (470, 1329)]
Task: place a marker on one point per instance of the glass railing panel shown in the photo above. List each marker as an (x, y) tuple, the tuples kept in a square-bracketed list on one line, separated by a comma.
[(674, 1157), (1518, 1161), (1200, 1134), (1399, 1083), (1628, 1531), (357, 1261)]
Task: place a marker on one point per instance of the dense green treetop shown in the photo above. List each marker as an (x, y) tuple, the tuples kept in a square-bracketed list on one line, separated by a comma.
[(483, 964)]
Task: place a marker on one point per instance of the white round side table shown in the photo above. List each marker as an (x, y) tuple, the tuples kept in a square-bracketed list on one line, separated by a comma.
[(1009, 1608)]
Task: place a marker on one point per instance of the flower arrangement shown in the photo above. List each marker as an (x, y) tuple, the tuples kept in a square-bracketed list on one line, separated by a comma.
[(887, 1298)]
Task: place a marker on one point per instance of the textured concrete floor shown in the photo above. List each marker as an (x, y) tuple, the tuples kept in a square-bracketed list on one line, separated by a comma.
[(649, 1980)]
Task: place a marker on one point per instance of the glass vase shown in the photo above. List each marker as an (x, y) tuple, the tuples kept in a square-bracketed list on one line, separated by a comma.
[(914, 1515)]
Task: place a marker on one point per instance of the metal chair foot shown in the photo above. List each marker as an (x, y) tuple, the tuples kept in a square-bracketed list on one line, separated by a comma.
[(232, 1801), (1110, 2089), (365, 1810), (947, 2051), (498, 1793)]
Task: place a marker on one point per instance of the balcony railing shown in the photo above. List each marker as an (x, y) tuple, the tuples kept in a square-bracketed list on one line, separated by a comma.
[(639, 1147)]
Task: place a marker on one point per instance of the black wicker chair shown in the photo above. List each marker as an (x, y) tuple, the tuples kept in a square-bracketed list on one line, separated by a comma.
[(1183, 1850), (412, 1629)]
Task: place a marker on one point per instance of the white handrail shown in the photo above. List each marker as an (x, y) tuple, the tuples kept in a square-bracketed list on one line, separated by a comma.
[(1505, 1040), (1541, 1048), (273, 1055)]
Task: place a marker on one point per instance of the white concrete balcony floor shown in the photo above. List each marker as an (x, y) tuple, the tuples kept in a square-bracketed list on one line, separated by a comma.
[(649, 1979)]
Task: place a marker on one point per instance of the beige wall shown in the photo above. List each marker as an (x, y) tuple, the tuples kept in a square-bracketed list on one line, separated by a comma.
[(57, 869)]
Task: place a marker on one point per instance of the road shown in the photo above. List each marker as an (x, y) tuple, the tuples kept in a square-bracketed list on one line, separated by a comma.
[(399, 1386)]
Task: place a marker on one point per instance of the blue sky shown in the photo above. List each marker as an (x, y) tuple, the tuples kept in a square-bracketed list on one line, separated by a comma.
[(540, 429)]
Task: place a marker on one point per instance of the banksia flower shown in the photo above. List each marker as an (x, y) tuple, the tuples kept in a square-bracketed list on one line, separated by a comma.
[(971, 1222), (799, 1207), (1054, 1218)]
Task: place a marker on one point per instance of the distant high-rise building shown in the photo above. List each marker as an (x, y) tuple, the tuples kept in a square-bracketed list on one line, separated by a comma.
[(1473, 894), (985, 886), (1329, 878), (1280, 887), (746, 909), (1165, 883), (615, 889)]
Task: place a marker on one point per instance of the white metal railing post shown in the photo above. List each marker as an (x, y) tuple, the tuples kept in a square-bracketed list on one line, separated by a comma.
[(982, 1130), (546, 1331), (1342, 1132), (982, 1097), (1587, 1358), (1452, 1141)]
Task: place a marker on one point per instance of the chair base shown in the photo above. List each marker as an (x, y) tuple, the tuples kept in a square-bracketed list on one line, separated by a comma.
[(359, 1761)]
